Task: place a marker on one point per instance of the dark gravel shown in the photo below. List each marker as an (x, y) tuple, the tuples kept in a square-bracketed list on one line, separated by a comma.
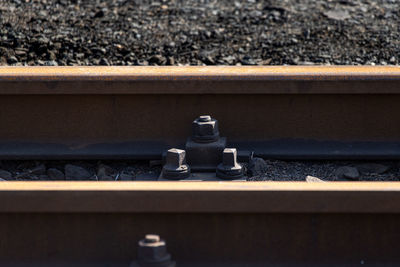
[(12, 170), (199, 32), (276, 170), (258, 170)]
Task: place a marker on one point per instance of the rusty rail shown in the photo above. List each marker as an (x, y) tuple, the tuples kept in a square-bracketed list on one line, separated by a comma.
[(200, 197), (138, 112), (218, 224), (134, 112)]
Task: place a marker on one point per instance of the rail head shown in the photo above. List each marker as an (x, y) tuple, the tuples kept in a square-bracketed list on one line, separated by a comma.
[(200, 197), (213, 73), (201, 80), (193, 186)]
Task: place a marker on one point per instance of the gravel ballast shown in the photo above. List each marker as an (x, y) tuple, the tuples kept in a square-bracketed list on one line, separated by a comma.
[(199, 32), (257, 170), (277, 170), (11, 170)]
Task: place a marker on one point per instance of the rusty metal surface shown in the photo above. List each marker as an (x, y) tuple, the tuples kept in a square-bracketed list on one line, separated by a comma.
[(106, 112), (200, 80), (138, 126), (162, 117), (200, 73), (202, 239), (261, 223), (200, 197), (139, 112)]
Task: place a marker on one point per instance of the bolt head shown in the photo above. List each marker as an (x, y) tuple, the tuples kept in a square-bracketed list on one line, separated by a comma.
[(229, 168), (176, 157), (175, 165), (229, 157)]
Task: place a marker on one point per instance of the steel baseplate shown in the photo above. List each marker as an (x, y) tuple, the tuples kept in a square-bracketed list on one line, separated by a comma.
[(203, 177), (204, 156)]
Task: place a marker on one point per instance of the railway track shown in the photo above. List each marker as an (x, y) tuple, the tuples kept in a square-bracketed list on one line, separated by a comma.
[(138, 113)]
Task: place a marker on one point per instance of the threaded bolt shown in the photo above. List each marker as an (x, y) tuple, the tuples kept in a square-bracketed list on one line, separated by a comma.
[(204, 118), (151, 239)]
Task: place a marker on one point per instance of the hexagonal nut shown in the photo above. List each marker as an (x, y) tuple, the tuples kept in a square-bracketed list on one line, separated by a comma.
[(205, 129), (153, 252)]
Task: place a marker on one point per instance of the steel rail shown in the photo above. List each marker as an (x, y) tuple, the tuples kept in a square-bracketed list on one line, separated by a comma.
[(205, 224), (200, 80), (195, 72), (139, 112), (200, 197), (115, 112)]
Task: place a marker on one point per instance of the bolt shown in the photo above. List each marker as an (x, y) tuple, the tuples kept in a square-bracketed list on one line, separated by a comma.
[(204, 118), (152, 251), (176, 157), (151, 239), (205, 129), (229, 157), (175, 167), (229, 168)]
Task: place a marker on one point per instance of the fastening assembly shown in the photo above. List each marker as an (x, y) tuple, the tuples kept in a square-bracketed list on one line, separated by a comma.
[(204, 148), (175, 167), (152, 252), (229, 168), (205, 151)]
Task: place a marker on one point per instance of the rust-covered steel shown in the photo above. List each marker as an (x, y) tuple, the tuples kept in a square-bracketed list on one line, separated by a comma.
[(139, 112), (216, 73), (200, 80), (200, 197), (204, 223)]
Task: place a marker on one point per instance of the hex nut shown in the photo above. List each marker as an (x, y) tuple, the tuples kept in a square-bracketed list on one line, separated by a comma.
[(205, 129), (152, 251)]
